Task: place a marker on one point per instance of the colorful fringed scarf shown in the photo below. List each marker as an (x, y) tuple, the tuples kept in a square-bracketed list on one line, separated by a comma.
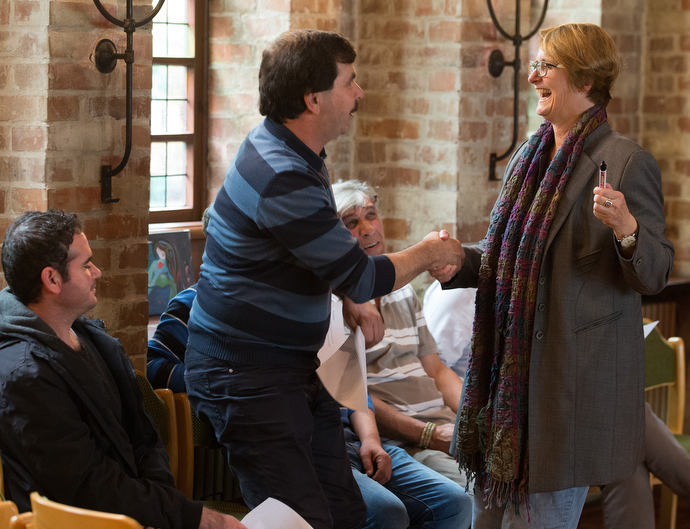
[(492, 439)]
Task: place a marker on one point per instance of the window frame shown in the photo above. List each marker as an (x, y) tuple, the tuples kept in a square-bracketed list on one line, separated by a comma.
[(197, 141)]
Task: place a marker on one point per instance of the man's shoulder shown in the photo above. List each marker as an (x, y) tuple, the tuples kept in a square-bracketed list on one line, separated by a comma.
[(22, 360)]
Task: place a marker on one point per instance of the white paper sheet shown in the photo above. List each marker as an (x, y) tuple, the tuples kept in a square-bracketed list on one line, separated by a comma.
[(274, 514), (344, 374), (648, 327), (336, 331)]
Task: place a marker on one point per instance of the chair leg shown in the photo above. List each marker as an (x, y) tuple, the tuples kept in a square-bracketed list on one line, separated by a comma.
[(668, 509)]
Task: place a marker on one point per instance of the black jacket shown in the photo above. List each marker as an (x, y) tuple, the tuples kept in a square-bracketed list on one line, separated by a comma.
[(75, 437)]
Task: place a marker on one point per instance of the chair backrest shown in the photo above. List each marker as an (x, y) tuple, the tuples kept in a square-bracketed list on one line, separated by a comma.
[(7, 510), (665, 378), (161, 405), (192, 433), (203, 471), (24, 520), (52, 515), (185, 443)]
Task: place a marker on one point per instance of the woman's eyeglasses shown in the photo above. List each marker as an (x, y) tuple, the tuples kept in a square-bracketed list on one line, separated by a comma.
[(542, 67)]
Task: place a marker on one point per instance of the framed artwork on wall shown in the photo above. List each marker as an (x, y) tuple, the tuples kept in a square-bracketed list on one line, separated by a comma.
[(170, 268)]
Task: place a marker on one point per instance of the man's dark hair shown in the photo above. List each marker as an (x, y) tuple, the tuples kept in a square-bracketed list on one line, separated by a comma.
[(34, 241), (298, 63)]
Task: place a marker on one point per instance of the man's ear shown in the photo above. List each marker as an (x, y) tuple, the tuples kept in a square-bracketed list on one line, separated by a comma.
[(51, 279), (313, 102)]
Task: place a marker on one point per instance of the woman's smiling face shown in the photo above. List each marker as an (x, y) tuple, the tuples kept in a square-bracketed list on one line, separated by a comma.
[(559, 102)]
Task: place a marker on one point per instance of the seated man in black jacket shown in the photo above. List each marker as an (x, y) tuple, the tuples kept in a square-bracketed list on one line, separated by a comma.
[(72, 422)]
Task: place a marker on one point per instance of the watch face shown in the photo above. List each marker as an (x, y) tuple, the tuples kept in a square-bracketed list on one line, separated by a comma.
[(628, 241)]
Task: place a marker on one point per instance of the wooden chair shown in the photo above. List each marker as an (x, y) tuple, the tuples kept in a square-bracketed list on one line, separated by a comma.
[(46, 514), (194, 438), (24, 520), (8, 509), (161, 405), (665, 393)]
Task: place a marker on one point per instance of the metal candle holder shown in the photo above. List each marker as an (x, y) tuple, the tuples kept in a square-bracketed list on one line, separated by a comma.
[(496, 65), (105, 57)]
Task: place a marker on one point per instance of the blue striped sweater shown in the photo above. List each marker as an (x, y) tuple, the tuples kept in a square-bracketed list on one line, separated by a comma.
[(275, 248)]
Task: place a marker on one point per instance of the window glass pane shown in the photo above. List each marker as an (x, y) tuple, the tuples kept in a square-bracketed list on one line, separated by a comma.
[(158, 117), (177, 191), (177, 11), (157, 195), (159, 85), (177, 40), (162, 15), (160, 38), (172, 38), (177, 158), (158, 158), (177, 82), (176, 117)]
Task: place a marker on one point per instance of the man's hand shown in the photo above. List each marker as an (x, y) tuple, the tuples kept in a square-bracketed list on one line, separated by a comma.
[(377, 463), (211, 519), (446, 273), (435, 252), (449, 251), (443, 434), (367, 316)]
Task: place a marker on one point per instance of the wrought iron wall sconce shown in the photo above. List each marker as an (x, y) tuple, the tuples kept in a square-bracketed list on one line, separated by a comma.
[(105, 57), (496, 65)]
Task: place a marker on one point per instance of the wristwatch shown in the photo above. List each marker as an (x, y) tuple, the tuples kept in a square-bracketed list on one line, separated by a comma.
[(628, 241)]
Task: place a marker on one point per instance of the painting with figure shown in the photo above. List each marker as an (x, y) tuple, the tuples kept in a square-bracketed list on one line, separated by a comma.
[(170, 268)]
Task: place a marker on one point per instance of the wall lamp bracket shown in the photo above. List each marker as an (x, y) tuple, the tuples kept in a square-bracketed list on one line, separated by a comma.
[(105, 57), (496, 65)]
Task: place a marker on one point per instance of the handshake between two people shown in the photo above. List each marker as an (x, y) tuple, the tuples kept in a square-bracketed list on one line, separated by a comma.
[(438, 253), (450, 251)]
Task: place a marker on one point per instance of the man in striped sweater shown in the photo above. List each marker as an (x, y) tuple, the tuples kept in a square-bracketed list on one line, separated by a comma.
[(275, 249)]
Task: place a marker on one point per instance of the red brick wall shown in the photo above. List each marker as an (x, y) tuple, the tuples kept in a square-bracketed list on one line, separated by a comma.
[(238, 33), (665, 115), (625, 23), (406, 140)]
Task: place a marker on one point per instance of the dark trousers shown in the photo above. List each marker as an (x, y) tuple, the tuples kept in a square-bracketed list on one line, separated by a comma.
[(283, 435)]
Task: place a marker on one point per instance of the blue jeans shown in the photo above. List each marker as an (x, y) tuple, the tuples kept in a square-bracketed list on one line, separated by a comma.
[(415, 496), (283, 434), (555, 510)]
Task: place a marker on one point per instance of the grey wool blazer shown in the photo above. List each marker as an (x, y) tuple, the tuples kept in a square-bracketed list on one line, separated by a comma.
[(586, 380)]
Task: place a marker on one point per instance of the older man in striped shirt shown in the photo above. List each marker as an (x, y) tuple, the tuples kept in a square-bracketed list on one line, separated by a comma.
[(416, 396)]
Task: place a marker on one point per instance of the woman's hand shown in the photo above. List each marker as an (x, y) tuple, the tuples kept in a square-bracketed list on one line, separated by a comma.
[(611, 208)]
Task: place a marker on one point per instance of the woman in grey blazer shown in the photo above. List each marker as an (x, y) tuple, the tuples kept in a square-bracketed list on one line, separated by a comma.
[(554, 399)]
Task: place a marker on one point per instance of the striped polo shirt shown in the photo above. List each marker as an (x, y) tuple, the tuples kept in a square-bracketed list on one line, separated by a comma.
[(394, 371)]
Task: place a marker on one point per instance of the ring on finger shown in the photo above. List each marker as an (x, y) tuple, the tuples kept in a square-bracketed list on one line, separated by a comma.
[(608, 203)]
